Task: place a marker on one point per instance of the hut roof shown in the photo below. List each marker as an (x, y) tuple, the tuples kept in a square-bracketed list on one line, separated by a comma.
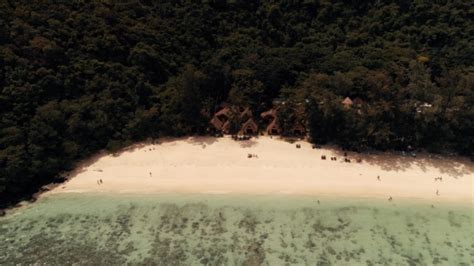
[(226, 126), (246, 113), (216, 122), (270, 114), (298, 128), (298, 125), (250, 123), (273, 125), (224, 111), (347, 101)]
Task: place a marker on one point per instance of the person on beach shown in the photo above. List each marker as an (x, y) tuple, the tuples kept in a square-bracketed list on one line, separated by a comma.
[(378, 178), (100, 181), (390, 198), (150, 174)]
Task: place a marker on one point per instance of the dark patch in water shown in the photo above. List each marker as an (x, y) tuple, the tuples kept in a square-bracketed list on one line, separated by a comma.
[(182, 234)]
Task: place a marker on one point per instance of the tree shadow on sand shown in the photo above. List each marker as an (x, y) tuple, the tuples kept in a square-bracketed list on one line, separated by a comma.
[(451, 166), (205, 141), (202, 141), (247, 143), (83, 165)]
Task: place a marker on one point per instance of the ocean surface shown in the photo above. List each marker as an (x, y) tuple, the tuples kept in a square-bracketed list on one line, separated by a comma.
[(102, 229)]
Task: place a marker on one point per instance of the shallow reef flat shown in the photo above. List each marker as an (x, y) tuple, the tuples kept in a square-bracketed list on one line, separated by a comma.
[(170, 229)]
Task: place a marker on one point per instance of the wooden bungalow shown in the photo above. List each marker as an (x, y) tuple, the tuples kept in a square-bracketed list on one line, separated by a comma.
[(226, 127), (249, 127), (273, 128), (224, 114), (219, 119), (347, 102), (356, 102), (228, 120), (271, 118), (216, 123), (298, 129), (269, 115)]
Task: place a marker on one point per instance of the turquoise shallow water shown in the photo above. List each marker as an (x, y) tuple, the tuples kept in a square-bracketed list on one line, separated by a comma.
[(87, 229)]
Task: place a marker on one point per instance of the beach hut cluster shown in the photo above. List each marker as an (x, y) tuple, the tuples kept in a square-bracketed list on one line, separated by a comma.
[(273, 125), (232, 120), (241, 120)]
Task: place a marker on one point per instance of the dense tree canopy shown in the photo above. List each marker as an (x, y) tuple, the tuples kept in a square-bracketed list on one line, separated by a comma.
[(77, 77)]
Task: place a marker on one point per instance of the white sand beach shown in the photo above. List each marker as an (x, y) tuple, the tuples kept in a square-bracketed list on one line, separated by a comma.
[(221, 165)]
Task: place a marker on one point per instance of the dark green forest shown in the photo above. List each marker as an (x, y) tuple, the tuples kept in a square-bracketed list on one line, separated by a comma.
[(77, 77)]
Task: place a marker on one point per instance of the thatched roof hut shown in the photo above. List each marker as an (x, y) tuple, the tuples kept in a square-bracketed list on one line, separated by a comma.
[(347, 102), (249, 127), (224, 114), (216, 123), (269, 115), (298, 129), (273, 128), (220, 118), (226, 127), (229, 117)]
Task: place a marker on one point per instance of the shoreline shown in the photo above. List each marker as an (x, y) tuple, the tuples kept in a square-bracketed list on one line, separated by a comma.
[(277, 201), (205, 165), (315, 197)]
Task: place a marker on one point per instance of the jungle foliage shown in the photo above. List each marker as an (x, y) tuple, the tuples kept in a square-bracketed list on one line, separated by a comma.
[(80, 76)]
